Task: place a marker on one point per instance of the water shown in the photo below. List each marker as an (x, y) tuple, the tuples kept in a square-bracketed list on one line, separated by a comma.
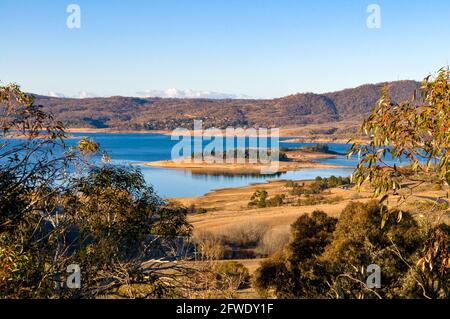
[(133, 149), (180, 183)]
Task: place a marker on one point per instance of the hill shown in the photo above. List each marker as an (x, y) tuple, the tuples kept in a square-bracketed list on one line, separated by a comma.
[(130, 113)]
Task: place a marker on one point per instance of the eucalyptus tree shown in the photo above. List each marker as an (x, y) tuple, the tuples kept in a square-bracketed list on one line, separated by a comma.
[(61, 208), (418, 131)]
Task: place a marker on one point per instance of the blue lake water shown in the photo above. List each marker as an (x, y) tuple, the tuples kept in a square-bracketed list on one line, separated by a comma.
[(134, 149), (130, 149)]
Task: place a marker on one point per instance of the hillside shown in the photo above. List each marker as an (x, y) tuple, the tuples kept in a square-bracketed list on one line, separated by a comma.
[(125, 113)]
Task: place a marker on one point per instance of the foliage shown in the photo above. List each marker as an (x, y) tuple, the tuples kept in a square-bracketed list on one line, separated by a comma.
[(296, 274), (58, 209), (260, 199), (359, 242), (246, 154), (319, 185), (319, 148), (231, 273), (417, 130), (329, 259)]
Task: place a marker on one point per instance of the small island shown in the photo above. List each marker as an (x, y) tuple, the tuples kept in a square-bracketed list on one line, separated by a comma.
[(289, 160)]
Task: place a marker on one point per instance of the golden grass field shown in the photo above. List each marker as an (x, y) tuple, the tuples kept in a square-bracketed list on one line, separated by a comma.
[(228, 207)]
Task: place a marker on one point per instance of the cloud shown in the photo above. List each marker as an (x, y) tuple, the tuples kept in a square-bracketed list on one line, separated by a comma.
[(189, 94), (84, 95), (79, 95), (55, 94), (169, 93)]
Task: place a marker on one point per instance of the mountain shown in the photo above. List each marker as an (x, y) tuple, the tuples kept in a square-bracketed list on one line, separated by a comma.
[(359, 101), (161, 113)]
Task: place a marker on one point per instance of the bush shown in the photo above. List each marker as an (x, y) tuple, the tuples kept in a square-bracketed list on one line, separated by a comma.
[(196, 210), (317, 186), (260, 200), (295, 273), (276, 201), (359, 241), (296, 189), (320, 148), (327, 258), (231, 274)]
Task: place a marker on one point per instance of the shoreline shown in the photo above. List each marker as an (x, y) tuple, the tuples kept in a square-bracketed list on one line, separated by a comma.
[(284, 133), (237, 169), (298, 159)]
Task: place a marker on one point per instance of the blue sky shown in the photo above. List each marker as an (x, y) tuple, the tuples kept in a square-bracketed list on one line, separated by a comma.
[(257, 48)]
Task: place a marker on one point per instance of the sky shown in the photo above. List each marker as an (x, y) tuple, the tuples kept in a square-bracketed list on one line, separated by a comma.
[(218, 48)]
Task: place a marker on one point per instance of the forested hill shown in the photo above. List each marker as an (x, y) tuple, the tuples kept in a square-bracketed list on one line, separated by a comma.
[(157, 113)]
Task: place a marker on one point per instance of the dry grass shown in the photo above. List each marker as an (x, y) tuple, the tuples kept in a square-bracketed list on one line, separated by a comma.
[(274, 241), (247, 234)]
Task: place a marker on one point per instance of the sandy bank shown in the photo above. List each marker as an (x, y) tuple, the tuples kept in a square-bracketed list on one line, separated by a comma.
[(282, 167)]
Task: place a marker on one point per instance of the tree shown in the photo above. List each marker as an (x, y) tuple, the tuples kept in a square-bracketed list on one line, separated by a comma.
[(328, 258), (59, 208), (296, 273), (359, 241), (418, 131), (117, 223)]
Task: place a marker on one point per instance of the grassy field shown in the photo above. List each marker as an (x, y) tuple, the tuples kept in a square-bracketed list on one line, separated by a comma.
[(254, 234)]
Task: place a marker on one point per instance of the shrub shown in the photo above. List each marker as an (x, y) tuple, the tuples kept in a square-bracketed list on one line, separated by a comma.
[(296, 189), (196, 210), (295, 273), (317, 186), (359, 241), (231, 274), (327, 258), (258, 199)]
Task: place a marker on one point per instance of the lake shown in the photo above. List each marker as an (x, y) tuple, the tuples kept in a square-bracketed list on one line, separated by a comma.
[(131, 149)]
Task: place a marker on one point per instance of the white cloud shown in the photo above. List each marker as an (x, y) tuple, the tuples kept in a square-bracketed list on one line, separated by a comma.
[(55, 94), (84, 95), (189, 94), (169, 93), (79, 95)]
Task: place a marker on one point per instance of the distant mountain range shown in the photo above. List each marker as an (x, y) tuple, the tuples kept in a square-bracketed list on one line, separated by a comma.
[(130, 113)]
